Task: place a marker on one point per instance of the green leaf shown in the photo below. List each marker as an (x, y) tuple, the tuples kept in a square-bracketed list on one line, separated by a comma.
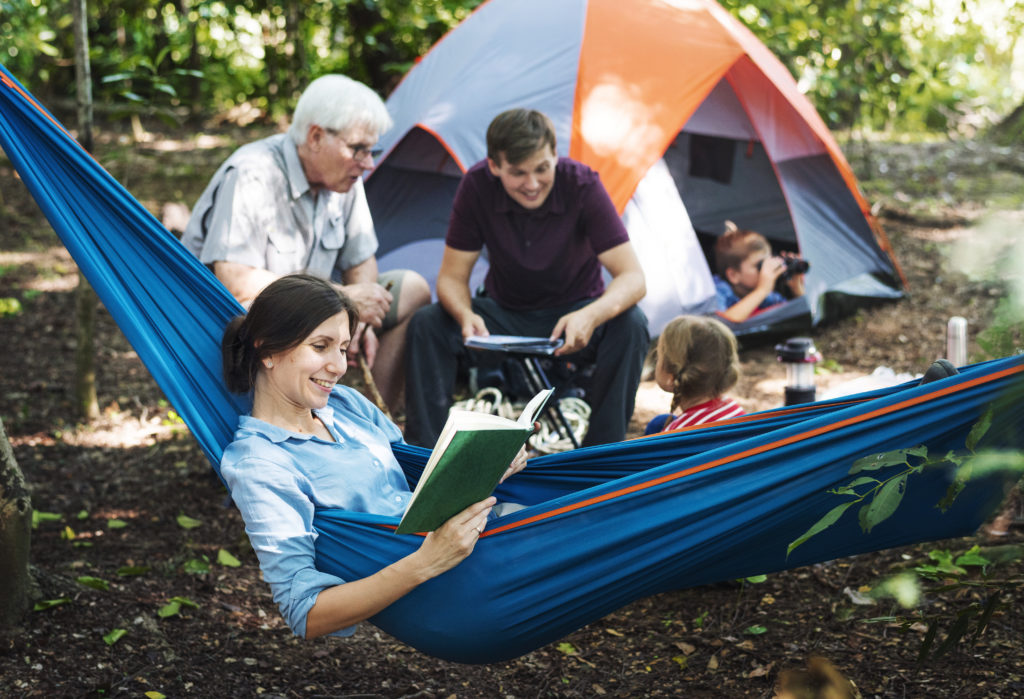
[(567, 649), (226, 559), (905, 588), (883, 504), (991, 605), (39, 517), (68, 534), (755, 630), (972, 557), (756, 579), (928, 640), (196, 567), (991, 461), (94, 583), (50, 603), (185, 601), (10, 306), (186, 522), (169, 609), (116, 524), (115, 77), (153, 694), (978, 430), (82, 514), (954, 458), (830, 518), (114, 636), (954, 489), (128, 571), (956, 632), (887, 458)]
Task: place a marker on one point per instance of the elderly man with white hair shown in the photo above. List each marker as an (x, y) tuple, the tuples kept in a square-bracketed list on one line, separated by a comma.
[(294, 202)]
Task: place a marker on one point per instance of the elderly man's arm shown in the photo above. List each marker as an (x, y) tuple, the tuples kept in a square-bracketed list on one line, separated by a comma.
[(626, 288), (372, 300), (244, 282)]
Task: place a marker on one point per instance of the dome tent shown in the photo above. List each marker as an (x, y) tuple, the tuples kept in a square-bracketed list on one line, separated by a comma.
[(686, 115)]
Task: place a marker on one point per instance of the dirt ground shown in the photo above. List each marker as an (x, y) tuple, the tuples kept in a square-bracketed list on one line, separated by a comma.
[(112, 493)]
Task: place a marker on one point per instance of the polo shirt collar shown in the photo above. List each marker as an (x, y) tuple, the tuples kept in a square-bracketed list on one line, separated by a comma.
[(277, 434), (296, 175), (554, 205)]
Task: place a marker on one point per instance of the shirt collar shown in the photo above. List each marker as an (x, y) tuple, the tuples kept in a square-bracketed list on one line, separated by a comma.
[(278, 434), (296, 175), (554, 205)]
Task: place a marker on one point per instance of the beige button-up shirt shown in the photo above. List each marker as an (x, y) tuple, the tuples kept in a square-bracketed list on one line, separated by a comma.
[(258, 210)]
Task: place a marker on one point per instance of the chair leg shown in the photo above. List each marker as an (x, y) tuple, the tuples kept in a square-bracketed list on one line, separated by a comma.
[(539, 380)]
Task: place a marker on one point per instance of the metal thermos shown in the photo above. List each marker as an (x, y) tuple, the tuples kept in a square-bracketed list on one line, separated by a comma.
[(956, 341)]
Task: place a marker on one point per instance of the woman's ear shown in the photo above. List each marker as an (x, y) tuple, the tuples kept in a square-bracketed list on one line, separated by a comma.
[(732, 275)]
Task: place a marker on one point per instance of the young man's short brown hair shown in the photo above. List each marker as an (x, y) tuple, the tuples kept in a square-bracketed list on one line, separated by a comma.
[(517, 134), (736, 245)]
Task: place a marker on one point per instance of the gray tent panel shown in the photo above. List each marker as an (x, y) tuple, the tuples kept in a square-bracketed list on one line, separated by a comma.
[(833, 231), (750, 197)]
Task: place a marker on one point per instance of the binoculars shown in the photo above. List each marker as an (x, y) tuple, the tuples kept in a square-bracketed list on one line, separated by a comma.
[(794, 266)]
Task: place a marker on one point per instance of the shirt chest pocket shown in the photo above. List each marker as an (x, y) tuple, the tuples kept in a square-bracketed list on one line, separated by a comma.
[(283, 253), (334, 233)]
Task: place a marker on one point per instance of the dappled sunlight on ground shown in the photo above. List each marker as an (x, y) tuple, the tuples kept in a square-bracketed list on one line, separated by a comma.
[(55, 270), (117, 430)]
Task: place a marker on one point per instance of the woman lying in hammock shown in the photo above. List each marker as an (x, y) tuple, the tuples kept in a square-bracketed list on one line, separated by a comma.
[(310, 443)]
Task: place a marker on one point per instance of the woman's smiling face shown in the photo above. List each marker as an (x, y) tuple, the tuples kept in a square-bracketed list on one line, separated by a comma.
[(304, 376)]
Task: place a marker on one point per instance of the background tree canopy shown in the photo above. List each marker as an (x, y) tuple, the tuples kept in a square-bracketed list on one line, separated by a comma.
[(906, 65)]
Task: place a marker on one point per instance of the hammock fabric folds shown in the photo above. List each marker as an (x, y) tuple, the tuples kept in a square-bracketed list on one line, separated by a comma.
[(605, 525)]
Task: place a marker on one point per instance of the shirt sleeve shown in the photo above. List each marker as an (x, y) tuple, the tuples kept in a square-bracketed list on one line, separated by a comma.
[(464, 223), (278, 519), (360, 236), (601, 221), (240, 219), (774, 298), (726, 298)]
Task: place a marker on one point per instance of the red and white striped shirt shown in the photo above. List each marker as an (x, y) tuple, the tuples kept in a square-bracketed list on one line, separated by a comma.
[(710, 411)]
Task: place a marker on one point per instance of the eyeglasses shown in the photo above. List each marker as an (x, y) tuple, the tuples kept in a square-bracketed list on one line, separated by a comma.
[(359, 150)]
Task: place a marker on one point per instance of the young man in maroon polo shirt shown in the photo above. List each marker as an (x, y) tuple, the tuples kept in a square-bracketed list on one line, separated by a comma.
[(550, 230)]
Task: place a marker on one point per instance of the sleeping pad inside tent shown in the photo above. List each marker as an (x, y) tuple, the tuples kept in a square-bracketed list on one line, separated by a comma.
[(603, 525)]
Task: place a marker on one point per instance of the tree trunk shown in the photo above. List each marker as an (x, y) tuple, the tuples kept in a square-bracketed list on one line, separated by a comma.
[(15, 537), (85, 353), (85, 350)]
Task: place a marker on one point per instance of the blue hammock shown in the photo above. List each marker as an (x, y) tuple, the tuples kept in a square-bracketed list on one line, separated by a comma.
[(605, 525)]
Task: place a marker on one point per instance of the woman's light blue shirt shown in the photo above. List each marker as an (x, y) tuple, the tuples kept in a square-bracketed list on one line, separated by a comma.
[(278, 478)]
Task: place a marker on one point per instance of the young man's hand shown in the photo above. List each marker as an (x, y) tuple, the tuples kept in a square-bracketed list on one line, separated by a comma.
[(577, 327)]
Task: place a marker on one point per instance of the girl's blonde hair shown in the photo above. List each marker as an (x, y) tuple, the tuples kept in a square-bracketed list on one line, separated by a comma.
[(700, 353)]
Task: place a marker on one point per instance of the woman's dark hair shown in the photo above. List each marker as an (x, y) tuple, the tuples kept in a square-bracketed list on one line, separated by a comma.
[(280, 318)]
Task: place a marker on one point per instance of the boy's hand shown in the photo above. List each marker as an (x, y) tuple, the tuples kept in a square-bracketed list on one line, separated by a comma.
[(771, 269)]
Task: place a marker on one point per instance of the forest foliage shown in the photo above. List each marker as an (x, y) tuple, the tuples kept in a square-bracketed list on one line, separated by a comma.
[(871, 65)]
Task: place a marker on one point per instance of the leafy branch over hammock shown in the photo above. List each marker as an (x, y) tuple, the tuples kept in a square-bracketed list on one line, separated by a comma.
[(883, 496)]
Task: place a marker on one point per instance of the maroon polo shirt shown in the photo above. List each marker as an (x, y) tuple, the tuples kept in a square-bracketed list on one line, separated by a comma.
[(543, 257)]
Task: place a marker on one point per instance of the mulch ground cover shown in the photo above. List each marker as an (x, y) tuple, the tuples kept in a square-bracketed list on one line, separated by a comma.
[(129, 500)]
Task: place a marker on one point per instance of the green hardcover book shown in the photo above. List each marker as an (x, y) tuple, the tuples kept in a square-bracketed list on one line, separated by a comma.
[(471, 454)]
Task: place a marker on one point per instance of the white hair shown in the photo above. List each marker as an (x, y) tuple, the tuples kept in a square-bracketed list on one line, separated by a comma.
[(339, 103)]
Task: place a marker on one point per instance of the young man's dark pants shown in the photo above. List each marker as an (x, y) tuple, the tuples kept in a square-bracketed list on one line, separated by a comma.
[(434, 348)]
